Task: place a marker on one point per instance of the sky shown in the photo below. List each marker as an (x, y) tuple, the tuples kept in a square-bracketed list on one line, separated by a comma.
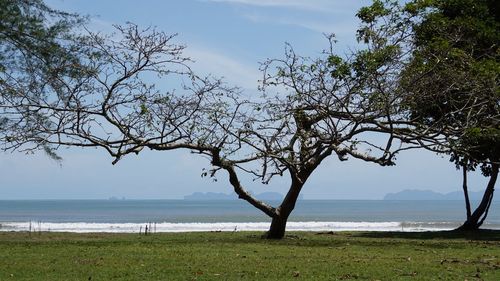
[(225, 38)]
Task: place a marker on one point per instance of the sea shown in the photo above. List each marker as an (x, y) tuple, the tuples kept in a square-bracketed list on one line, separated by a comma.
[(133, 216)]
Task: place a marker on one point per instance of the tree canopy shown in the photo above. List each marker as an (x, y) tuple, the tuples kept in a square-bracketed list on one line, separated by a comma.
[(37, 47), (454, 76), (447, 78)]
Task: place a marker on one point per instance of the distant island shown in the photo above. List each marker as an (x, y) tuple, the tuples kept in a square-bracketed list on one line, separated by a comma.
[(114, 198), (204, 196), (415, 194)]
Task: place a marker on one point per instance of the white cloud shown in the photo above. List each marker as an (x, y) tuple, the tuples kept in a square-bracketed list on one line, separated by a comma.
[(321, 16), (312, 5), (234, 71), (332, 26), (207, 61)]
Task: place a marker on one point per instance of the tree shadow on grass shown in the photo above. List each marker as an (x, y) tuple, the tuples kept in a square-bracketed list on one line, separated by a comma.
[(479, 235)]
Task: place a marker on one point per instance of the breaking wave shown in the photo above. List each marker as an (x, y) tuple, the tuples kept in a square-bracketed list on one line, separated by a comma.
[(86, 227)]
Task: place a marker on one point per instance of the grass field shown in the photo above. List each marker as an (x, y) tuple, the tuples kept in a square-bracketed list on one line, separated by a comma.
[(245, 256)]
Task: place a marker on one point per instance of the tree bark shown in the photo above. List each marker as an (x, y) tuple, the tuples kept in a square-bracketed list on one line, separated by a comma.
[(481, 212), (278, 223), (466, 192), (277, 229)]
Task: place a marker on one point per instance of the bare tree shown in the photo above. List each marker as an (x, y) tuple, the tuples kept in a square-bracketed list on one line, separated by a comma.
[(112, 102), (312, 109), (309, 109)]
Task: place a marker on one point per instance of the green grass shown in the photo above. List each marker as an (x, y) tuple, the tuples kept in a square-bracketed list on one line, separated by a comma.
[(245, 256)]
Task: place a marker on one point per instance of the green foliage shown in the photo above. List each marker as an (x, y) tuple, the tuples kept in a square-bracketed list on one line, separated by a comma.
[(417, 7), (481, 144), (370, 13), (51, 153), (37, 50), (453, 79), (468, 25), (33, 35), (370, 61), (339, 68), (144, 109), (444, 57)]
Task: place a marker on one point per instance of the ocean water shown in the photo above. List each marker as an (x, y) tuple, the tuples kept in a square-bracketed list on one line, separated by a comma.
[(182, 215)]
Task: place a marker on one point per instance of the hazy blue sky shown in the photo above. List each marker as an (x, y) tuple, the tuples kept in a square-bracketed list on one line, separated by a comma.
[(227, 38)]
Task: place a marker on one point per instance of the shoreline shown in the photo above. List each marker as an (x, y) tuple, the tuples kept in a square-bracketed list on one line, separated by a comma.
[(168, 227)]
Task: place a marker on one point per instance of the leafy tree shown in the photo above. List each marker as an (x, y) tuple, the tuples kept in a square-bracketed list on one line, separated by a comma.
[(35, 50), (447, 79), (457, 61)]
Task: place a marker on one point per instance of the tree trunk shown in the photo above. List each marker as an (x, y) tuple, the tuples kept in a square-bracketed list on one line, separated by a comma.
[(477, 218), (466, 192), (277, 229), (278, 223)]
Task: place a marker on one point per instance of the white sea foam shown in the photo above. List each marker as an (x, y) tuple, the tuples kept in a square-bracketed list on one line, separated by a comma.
[(85, 227)]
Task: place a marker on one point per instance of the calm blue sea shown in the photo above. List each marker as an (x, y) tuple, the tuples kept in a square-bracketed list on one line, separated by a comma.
[(183, 215)]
